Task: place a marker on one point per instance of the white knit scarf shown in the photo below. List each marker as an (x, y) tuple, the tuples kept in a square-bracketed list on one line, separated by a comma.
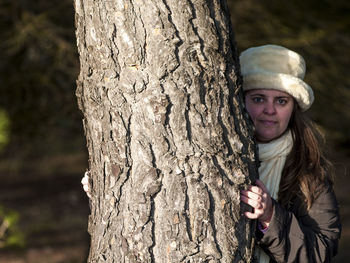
[(272, 156)]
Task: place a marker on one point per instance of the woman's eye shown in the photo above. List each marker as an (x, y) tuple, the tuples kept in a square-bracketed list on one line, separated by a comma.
[(282, 101), (257, 99)]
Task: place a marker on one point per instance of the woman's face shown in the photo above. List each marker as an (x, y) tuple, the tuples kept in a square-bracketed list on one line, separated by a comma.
[(270, 111)]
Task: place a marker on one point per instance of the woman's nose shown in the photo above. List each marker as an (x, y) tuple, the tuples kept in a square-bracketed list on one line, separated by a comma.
[(269, 108)]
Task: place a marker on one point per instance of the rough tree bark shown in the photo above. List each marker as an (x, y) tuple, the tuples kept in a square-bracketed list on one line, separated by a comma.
[(169, 147)]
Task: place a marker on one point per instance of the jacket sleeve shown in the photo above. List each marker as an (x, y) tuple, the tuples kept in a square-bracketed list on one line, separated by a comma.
[(311, 236)]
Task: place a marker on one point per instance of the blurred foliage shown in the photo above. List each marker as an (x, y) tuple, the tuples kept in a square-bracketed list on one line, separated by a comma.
[(10, 235), (4, 129), (320, 31), (38, 69)]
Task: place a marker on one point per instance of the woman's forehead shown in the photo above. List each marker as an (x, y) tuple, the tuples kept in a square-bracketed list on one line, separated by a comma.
[(268, 92)]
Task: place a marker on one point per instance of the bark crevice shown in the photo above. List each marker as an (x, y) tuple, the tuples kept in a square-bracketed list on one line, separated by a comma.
[(221, 171), (224, 128), (212, 219), (194, 28), (177, 39), (153, 236), (187, 118), (186, 211)]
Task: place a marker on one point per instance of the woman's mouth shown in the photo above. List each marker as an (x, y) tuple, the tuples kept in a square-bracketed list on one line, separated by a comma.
[(268, 122)]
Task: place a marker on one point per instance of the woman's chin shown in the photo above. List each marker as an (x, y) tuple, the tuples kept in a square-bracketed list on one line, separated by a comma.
[(267, 137)]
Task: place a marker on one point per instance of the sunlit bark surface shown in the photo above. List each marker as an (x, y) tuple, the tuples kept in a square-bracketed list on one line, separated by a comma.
[(168, 146)]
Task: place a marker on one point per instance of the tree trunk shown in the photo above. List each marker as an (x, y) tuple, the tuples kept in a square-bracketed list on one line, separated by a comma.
[(169, 147)]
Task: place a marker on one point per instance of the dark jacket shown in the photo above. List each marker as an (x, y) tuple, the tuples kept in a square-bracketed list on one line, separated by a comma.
[(298, 235)]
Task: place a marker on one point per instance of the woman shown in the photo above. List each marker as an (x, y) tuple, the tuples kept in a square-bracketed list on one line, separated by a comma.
[(293, 201)]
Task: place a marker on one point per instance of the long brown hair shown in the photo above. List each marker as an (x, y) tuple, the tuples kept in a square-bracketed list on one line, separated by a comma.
[(306, 168)]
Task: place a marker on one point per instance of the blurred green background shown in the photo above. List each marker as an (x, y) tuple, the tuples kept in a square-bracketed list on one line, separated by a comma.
[(43, 210)]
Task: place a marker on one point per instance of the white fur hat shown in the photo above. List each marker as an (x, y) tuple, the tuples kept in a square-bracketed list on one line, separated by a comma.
[(276, 67)]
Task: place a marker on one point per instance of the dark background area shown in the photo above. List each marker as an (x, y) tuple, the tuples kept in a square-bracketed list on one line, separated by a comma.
[(43, 209)]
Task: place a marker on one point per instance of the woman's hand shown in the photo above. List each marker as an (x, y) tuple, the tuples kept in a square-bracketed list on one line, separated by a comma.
[(86, 184), (259, 198)]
